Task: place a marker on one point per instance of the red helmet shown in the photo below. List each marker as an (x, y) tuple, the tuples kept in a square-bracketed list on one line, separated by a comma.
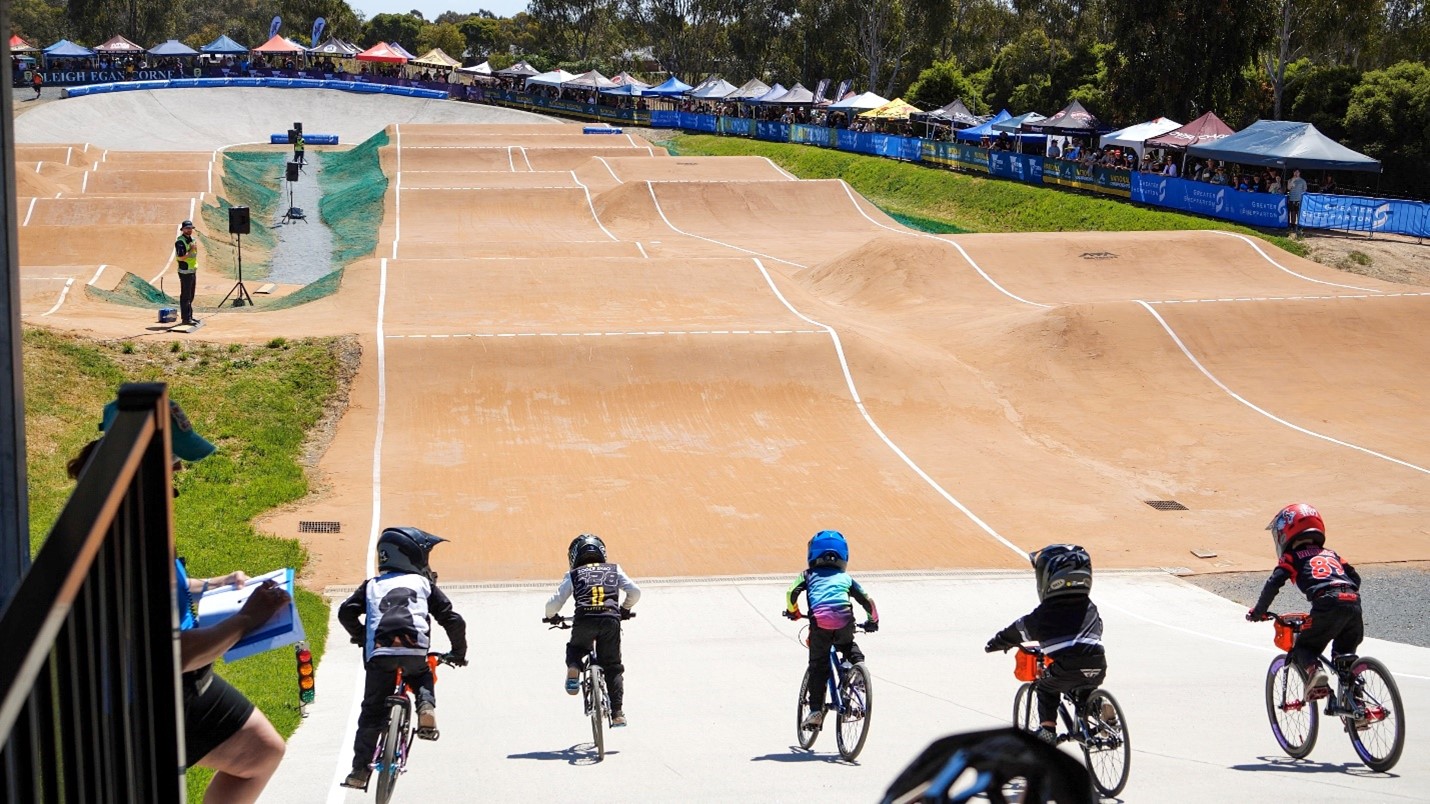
[(1294, 521)]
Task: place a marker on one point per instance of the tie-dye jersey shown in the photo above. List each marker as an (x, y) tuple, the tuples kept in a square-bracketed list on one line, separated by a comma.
[(828, 591)]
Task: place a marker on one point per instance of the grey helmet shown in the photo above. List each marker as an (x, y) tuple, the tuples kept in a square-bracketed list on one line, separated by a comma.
[(405, 549)]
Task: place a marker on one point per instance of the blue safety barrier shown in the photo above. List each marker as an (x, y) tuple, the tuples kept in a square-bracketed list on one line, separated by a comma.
[(1365, 214), (308, 139), (601, 130), (1215, 200), (277, 83)]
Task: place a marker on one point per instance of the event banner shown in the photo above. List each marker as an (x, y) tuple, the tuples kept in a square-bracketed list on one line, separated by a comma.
[(1213, 200), (892, 146), (739, 126), (771, 130), (1094, 178), (691, 121), (1365, 214), (1018, 167), (73, 78), (812, 135), (955, 154)]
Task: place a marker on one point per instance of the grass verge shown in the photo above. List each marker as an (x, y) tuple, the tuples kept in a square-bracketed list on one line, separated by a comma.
[(256, 402), (945, 201)]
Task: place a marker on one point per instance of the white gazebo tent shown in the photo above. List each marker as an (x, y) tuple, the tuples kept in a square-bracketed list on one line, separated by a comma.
[(859, 103), (555, 78), (1132, 137)]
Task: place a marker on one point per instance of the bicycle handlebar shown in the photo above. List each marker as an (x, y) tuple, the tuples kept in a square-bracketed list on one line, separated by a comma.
[(564, 623), (799, 615)]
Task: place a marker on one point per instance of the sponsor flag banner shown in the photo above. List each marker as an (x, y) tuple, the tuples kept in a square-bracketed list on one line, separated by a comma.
[(820, 89), (274, 26), (843, 89), (318, 25)]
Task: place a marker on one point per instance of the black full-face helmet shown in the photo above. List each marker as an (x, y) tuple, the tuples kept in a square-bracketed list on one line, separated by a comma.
[(586, 549), (1062, 569), (406, 549)]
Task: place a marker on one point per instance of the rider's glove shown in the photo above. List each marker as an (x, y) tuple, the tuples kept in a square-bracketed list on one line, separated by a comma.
[(555, 619), (994, 645), (626, 613), (1254, 616), (791, 615), (460, 660), (871, 626)]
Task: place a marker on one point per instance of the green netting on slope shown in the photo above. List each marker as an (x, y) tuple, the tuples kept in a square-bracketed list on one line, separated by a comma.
[(131, 291), (353, 186), (925, 224), (251, 179), (325, 286)]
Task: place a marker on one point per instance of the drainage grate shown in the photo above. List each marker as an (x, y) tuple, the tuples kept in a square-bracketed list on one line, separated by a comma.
[(1166, 505), (1098, 255), (305, 526)]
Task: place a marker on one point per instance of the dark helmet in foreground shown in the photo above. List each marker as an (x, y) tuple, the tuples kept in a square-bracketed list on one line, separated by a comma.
[(586, 549), (1295, 522), (828, 548), (1062, 569), (405, 549)]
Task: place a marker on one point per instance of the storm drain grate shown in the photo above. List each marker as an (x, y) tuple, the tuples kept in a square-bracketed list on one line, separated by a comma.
[(305, 526), (1166, 505), (1098, 255)]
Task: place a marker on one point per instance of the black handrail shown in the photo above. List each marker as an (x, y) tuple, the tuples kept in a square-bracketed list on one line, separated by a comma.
[(89, 673)]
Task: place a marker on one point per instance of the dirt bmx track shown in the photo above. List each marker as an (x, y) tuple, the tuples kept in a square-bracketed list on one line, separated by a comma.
[(704, 360)]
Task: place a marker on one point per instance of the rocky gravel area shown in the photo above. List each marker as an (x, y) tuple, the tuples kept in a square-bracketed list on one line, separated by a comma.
[(1395, 598)]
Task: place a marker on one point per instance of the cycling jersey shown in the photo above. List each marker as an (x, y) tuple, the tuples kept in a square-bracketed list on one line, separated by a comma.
[(1317, 571), (399, 608), (596, 589), (827, 591), (1063, 625)]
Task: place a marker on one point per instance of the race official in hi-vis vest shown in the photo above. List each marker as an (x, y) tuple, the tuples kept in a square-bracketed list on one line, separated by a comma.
[(186, 251)]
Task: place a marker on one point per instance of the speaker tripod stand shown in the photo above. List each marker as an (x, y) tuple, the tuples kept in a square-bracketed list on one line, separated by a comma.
[(242, 295), (293, 213)]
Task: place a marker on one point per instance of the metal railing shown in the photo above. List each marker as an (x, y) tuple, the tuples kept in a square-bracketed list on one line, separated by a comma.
[(91, 708)]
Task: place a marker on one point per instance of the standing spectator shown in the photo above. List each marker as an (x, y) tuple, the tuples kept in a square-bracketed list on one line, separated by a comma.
[(1054, 152), (186, 250), (1169, 168), (37, 80), (298, 146), (1275, 185), (1329, 185), (1294, 190)]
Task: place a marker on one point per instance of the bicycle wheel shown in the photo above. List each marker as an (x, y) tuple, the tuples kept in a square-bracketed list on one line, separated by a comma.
[(393, 751), (1380, 736), (1024, 707), (1107, 747), (1294, 720), (805, 736), (598, 710), (853, 716)]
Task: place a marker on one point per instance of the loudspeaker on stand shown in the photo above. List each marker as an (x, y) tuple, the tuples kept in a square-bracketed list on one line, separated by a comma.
[(238, 220)]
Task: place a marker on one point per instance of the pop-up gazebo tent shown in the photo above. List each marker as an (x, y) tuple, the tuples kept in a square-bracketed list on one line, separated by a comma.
[(437, 57), (381, 53), (750, 90), (401, 51), (172, 47), (519, 70), (278, 46), (18, 45), (590, 80), (223, 46), (65, 49), (985, 129), (957, 114), (1071, 121), (669, 88), (1287, 145), (335, 47), (775, 93), (859, 103), (1133, 137), (717, 88), (626, 79), (118, 46), (1205, 129), (555, 78), (796, 96), (896, 109)]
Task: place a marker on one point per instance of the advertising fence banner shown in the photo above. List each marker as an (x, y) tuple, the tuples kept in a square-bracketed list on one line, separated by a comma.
[(889, 145), (1214, 200), (1365, 214), (1018, 167), (812, 135), (1094, 178), (739, 126), (770, 130), (955, 154)]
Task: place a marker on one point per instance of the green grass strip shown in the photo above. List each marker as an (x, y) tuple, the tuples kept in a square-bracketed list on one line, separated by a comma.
[(255, 402), (922, 196)]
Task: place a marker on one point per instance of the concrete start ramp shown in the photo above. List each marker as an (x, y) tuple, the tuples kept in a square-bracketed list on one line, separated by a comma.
[(713, 718)]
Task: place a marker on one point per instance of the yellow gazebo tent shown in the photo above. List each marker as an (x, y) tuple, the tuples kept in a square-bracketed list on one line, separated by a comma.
[(436, 57), (896, 109)]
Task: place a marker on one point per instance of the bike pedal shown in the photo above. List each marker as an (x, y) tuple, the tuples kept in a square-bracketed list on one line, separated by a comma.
[(429, 734)]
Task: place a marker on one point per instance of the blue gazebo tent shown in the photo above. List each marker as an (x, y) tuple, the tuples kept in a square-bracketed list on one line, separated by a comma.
[(173, 47), (670, 88), (65, 49), (224, 46), (978, 132), (1285, 144)]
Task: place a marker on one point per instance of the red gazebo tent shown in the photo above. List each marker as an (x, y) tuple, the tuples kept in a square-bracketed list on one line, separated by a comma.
[(18, 45), (381, 52), (1204, 130), (279, 45)]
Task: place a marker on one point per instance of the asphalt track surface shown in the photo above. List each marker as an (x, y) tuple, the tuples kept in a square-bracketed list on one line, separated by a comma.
[(705, 360)]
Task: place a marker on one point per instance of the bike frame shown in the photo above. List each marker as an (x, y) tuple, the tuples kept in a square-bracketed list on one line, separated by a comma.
[(402, 695), (836, 677)]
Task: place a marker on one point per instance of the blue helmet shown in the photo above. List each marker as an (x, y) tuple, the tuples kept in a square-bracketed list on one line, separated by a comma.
[(828, 548)]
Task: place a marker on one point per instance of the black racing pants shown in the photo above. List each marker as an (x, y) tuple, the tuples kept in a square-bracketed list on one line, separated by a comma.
[(188, 286), (1078, 675), (820, 639), (1334, 622), (381, 680), (606, 633)]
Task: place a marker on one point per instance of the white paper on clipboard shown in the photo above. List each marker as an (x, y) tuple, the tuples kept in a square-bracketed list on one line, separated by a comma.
[(285, 628)]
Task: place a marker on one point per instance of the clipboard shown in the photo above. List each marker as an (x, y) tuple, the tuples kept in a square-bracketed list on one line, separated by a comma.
[(285, 627)]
